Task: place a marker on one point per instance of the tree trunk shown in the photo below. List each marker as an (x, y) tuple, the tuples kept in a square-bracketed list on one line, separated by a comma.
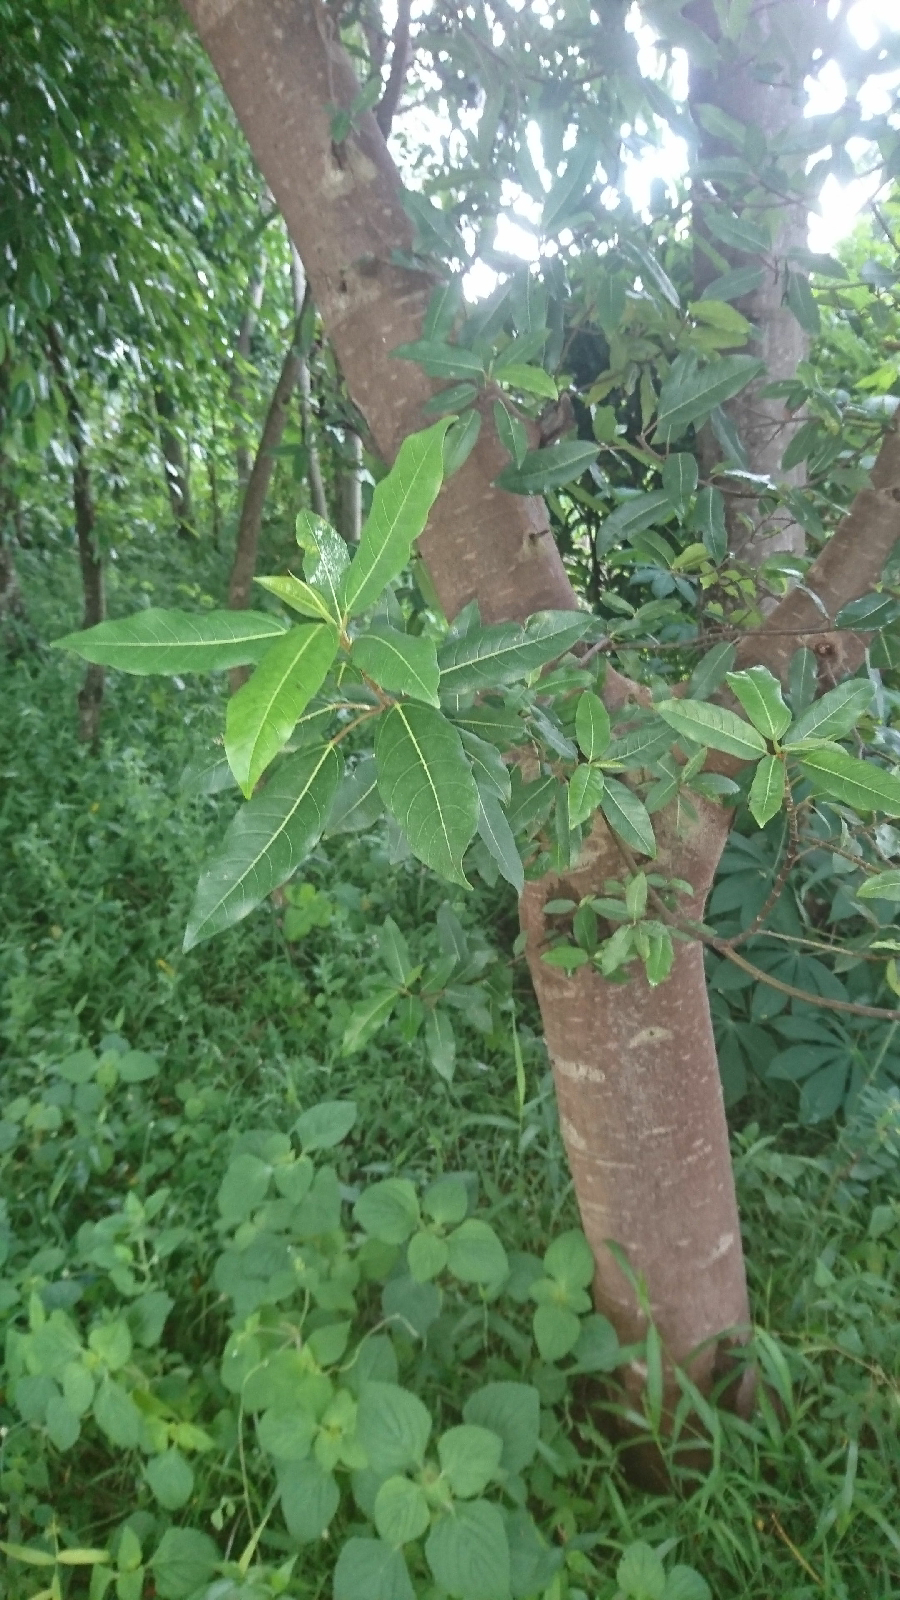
[(12, 605), (350, 489), (242, 347), (651, 1112), (90, 695), (764, 427), (244, 565), (302, 302), (174, 463)]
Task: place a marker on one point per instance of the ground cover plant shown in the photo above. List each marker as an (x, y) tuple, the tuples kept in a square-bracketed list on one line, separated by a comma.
[(484, 773)]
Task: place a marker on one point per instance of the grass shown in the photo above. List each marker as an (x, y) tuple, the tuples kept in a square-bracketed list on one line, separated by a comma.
[(100, 853)]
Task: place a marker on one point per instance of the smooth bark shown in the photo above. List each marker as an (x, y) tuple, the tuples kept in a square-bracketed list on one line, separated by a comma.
[(350, 489), (302, 303)]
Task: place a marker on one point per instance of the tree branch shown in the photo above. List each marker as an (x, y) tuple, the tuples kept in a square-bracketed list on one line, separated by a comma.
[(386, 109)]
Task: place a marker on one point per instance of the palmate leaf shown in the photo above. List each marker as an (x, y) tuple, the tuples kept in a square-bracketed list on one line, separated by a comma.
[(400, 508), (426, 783), (713, 726), (157, 641), (851, 782), (268, 838), (263, 713)]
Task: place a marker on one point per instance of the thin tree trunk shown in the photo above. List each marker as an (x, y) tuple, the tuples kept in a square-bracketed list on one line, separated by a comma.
[(281, 68), (175, 463), (242, 346), (302, 302), (243, 566), (763, 425), (13, 618), (350, 489)]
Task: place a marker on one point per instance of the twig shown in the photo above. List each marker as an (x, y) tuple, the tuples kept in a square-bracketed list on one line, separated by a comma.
[(386, 109), (883, 1013)]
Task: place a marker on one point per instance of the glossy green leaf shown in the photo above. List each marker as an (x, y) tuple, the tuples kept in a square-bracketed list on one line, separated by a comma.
[(534, 380), (158, 641), (511, 432), (499, 840), (441, 360), (708, 519), (734, 285), (549, 468), (884, 886), (268, 838), (803, 680), (713, 726), (688, 398), (357, 803), (440, 1042), (760, 695), (401, 663), (461, 439), (427, 785), (326, 556), (592, 728), (300, 596), (400, 508), (835, 714), (855, 783), (498, 654), (634, 515), (367, 1017), (488, 766), (628, 817), (262, 715), (767, 790), (586, 787), (679, 479)]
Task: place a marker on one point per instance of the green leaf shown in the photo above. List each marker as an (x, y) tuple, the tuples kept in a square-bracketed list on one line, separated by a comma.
[(556, 1331), (157, 641), (461, 440), (549, 468), (475, 1254), (713, 726), (326, 556), (884, 886), (868, 612), (591, 725), (401, 1511), (708, 519), (116, 1415), (263, 713), (710, 671), (736, 232), (267, 840), (244, 1187), (511, 432), (309, 1498), (392, 1426), (470, 1458), (689, 397), (859, 784), (367, 1017), (760, 695), (369, 1570), (586, 787), (29, 1555), (455, 399), (803, 680), (640, 1573), (325, 1125), (468, 1552), (171, 1479), (440, 1042), (512, 1410), (426, 1256), (300, 596), (427, 785), (803, 303), (488, 766), (62, 1423), (734, 285), (441, 360), (184, 1561), (287, 1433), (683, 1583), (446, 1200), (357, 803), (835, 714), (400, 508), (388, 1210), (499, 839), (570, 1260), (628, 817), (635, 514), (767, 790), (597, 1349), (489, 657), (534, 380), (679, 480), (401, 663)]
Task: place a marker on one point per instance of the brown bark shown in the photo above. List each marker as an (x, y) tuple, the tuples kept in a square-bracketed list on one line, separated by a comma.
[(302, 301), (281, 68), (242, 346), (764, 426), (244, 564), (174, 463), (282, 65), (350, 489), (386, 110)]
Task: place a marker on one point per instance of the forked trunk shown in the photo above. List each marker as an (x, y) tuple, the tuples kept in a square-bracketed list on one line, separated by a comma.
[(636, 1071)]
